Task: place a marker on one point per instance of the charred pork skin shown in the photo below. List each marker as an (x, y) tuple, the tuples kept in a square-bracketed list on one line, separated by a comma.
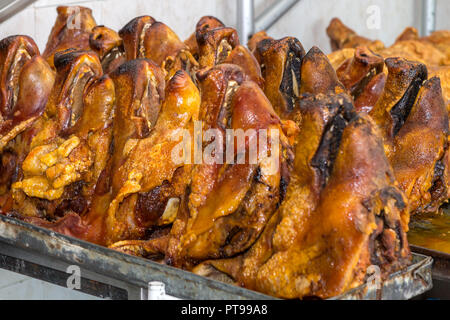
[(414, 119), (255, 39), (281, 62), (72, 30), (148, 185), (363, 77), (342, 213), (109, 47), (67, 150)]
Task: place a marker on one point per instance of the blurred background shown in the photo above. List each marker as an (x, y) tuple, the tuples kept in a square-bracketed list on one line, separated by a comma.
[(306, 20)]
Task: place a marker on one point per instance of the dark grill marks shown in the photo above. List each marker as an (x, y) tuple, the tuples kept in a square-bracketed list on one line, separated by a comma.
[(418, 74), (402, 109), (326, 154), (438, 188), (151, 205), (290, 84)]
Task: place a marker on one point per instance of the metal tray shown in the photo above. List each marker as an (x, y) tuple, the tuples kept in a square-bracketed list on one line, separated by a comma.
[(440, 272), (46, 255)]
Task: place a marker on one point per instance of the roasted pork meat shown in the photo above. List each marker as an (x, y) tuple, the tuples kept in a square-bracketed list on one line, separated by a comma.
[(69, 149), (414, 120), (343, 210), (265, 166)]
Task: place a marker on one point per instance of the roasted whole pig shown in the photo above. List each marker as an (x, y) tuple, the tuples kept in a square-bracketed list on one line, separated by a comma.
[(72, 30), (343, 210), (414, 120), (69, 148)]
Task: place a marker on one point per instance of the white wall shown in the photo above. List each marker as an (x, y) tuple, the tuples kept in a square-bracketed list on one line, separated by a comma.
[(307, 20)]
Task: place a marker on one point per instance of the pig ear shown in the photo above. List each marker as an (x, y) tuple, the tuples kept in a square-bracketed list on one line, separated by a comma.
[(318, 75), (403, 83), (35, 85), (132, 33), (215, 45), (15, 52), (281, 62), (66, 99)]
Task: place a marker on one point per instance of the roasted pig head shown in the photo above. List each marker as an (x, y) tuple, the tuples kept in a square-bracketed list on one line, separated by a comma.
[(109, 47), (149, 183), (25, 85), (414, 120), (229, 201), (281, 62), (402, 85), (59, 172), (363, 77), (71, 31), (342, 212)]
